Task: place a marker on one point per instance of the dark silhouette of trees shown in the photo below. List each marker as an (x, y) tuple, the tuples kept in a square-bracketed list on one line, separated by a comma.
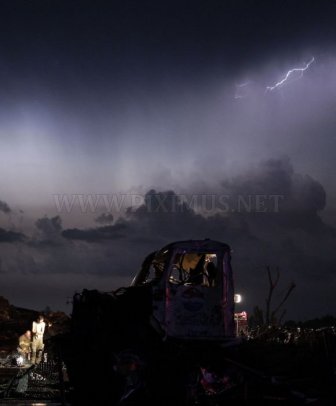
[(272, 315)]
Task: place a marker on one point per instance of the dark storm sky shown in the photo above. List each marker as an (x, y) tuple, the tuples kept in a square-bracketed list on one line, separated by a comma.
[(117, 98)]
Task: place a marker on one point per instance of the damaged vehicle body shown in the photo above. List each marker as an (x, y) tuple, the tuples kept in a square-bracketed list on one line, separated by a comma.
[(175, 315), (192, 290), (171, 338)]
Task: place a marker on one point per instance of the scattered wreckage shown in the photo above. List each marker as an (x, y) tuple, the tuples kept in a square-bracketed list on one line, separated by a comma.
[(170, 337), (21, 381), (178, 309)]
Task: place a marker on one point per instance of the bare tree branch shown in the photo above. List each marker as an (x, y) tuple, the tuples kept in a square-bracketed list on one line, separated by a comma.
[(289, 291), (272, 285)]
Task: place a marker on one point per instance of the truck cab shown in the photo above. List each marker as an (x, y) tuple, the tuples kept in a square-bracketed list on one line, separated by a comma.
[(192, 290)]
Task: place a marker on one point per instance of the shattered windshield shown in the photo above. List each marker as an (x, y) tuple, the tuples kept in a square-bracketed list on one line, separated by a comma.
[(185, 268), (194, 268)]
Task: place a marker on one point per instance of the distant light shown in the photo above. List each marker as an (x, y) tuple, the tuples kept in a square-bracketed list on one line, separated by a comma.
[(39, 404), (237, 298), (19, 360)]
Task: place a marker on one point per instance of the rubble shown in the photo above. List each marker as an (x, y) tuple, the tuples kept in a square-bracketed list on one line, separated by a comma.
[(171, 338), (152, 343), (19, 379), (14, 321)]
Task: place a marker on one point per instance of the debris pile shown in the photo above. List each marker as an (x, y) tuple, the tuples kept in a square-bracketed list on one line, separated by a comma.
[(159, 341), (14, 321), (19, 379), (4, 309)]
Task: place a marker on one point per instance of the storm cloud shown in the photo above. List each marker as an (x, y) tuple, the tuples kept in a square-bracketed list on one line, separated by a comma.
[(105, 218), (4, 207), (293, 237), (189, 106), (10, 236)]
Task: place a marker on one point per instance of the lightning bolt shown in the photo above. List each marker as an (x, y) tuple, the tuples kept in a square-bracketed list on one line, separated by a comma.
[(289, 73), (239, 94)]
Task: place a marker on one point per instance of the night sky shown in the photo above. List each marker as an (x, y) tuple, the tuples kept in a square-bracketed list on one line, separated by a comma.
[(126, 125)]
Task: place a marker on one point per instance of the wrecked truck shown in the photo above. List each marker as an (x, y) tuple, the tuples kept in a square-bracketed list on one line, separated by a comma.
[(149, 341), (191, 290)]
